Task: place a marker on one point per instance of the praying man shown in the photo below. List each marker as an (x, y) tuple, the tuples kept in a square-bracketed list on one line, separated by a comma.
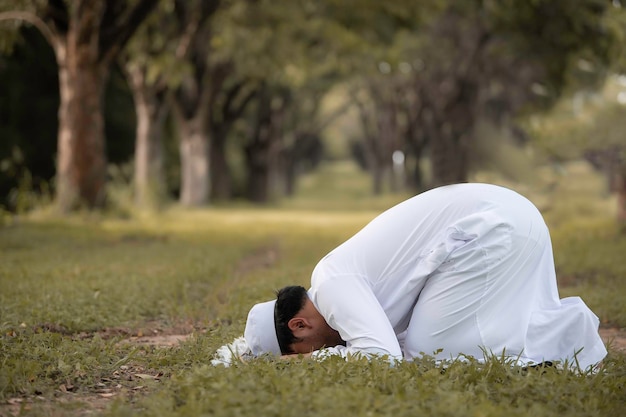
[(460, 270)]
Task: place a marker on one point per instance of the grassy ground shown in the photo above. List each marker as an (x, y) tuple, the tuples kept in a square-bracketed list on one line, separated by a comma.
[(90, 308)]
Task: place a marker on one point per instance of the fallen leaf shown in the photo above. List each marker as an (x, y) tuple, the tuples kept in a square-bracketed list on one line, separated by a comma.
[(66, 387), (107, 394), (145, 376)]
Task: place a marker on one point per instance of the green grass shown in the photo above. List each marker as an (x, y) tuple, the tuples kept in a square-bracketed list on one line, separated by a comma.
[(72, 290)]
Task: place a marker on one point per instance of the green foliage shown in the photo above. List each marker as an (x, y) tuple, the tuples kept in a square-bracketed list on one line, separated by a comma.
[(28, 129), (556, 32), (362, 388), (54, 357), (25, 195), (582, 122), (307, 47), (9, 28)]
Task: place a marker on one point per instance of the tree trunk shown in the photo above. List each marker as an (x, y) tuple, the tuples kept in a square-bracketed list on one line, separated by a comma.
[(221, 181), (84, 50), (289, 164), (258, 164), (449, 158), (261, 153), (151, 111), (620, 188), (416, 179), (81, 172), (452, 124), (194, 161), (389, 142), (378, 137), (378, 178)]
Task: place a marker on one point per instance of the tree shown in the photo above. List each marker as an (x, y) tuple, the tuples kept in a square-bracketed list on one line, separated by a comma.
[(29, 92), (155, 63), (192, 100), (228, 107), (480, 60), (296, 51), (86, 37), (381, 131), (612, 121), (592, 131), (589, 121)]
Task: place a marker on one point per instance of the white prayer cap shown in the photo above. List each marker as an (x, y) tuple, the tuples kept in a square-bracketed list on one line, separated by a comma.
[(260, 333)]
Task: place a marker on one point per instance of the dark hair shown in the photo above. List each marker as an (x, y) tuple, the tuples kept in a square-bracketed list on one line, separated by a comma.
[(289, 301)]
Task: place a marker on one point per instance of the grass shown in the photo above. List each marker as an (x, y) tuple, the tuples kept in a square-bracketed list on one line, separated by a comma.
[(75, 294)]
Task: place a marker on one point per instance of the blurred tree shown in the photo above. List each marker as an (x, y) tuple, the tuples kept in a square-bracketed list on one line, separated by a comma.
[(29, 99), (589, 121), (253, 50), (228, 107), (422, 74), (194, 97), (155, 64), (298, 50), (30, 91), (381, 131), (513, 56), (86, 37), (146, 60), (614, 126), (473, 61)]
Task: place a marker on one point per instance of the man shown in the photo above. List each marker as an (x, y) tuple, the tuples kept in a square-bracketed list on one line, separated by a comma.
[(459, 270)]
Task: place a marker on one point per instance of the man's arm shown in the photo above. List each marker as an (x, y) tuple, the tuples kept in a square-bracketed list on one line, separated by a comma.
[(349, 306)]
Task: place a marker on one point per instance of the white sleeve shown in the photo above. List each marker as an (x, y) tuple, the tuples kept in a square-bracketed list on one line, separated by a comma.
[(349, 306), (330, 351)]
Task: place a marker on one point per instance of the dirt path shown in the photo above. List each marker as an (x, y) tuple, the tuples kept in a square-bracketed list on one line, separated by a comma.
[(615, 338)]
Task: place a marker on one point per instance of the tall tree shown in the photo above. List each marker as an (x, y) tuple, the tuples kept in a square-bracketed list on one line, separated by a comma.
[(230, 105), (87, 36), (295, 51), (514, 53), (154, 63), (491, 60), (193, 98)]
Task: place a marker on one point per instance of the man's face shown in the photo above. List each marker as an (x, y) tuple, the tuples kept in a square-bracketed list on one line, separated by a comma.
[(307, 346), (317, 336)]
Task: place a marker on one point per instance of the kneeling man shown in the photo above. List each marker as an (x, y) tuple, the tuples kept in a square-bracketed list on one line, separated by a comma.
[(458, 270)]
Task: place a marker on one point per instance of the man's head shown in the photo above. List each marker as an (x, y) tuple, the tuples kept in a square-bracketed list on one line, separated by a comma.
[(300, 328), (290, 324), (289, 301)]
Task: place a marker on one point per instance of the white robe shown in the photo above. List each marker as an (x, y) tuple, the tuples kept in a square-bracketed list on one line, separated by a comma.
[(458, 270)]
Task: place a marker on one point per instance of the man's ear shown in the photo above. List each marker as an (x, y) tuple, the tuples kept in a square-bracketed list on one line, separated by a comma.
[(297, 325)]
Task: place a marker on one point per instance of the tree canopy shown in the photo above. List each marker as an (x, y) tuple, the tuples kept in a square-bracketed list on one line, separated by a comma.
[(238, 85)]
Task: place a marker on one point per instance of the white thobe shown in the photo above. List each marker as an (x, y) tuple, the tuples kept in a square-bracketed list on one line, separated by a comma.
[(459, 270)]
